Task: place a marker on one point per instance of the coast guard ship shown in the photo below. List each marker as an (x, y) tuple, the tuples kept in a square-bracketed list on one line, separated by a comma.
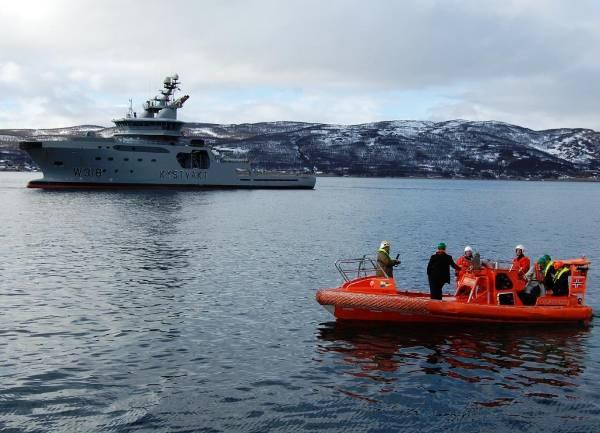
[(148, 151)]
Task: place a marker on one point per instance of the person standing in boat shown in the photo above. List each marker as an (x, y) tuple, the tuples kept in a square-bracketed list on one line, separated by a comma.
[(385, 262), (438, 271), (521, 262), (465, 262)]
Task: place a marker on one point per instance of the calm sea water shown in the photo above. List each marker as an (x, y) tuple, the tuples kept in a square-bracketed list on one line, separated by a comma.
[(194, 311)]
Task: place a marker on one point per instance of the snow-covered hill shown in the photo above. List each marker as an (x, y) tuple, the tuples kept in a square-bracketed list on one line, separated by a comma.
[(456, 148)]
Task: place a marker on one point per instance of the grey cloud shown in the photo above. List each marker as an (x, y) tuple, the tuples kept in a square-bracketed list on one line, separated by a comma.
[(532, 61)]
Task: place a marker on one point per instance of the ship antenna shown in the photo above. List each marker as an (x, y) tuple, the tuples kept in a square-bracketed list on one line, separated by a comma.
[(130, 112)]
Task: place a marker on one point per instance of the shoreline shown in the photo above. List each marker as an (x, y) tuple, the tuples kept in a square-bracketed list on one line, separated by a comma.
[(324, 175)]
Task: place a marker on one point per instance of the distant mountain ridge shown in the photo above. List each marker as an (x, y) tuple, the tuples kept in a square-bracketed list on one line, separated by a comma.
[(455, 148)]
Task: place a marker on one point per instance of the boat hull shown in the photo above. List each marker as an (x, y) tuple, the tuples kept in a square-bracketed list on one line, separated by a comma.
[(412, 307)]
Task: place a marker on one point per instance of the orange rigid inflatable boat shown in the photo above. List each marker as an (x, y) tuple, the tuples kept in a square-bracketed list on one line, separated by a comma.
[(489, 294)]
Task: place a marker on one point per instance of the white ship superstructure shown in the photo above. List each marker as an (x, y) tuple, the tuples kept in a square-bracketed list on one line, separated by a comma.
[(148, 150)]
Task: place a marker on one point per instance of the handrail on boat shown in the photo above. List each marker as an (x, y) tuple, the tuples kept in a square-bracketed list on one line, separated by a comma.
[(351, 269)]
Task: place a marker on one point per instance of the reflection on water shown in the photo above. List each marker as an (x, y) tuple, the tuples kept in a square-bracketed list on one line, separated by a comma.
[(519, 362)]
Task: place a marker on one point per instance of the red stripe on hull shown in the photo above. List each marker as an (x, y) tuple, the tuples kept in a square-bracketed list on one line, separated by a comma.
[(390, 316)]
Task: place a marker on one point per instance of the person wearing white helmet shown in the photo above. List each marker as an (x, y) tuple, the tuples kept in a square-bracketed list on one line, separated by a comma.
[(521, 262), (385, 262), (465, 261)]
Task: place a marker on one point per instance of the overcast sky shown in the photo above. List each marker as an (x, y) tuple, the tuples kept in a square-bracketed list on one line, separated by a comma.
[(532, 63)]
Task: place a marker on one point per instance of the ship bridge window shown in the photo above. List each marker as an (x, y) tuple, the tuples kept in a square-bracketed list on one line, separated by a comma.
[(196, 159), (168, 126), (132, 123), (58, 163)]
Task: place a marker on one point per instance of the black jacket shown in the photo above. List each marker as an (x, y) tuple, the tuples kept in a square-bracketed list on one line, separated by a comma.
[(438, 268), (549, 278)]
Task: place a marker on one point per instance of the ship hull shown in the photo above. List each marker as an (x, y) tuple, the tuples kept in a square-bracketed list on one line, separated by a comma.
[(107, 163)]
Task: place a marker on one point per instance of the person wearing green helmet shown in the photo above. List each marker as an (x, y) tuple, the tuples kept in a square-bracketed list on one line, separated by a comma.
[(546, 271), (544, 259), (556, 277), (438, 271), (535, 281)]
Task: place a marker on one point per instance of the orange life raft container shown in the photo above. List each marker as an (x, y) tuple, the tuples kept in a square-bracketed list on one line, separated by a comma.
[(489, 294)]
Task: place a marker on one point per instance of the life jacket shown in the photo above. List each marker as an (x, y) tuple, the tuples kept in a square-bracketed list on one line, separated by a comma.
[(521, 263), (464, 262), (381, 250), (561, 272), (548, 267)]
